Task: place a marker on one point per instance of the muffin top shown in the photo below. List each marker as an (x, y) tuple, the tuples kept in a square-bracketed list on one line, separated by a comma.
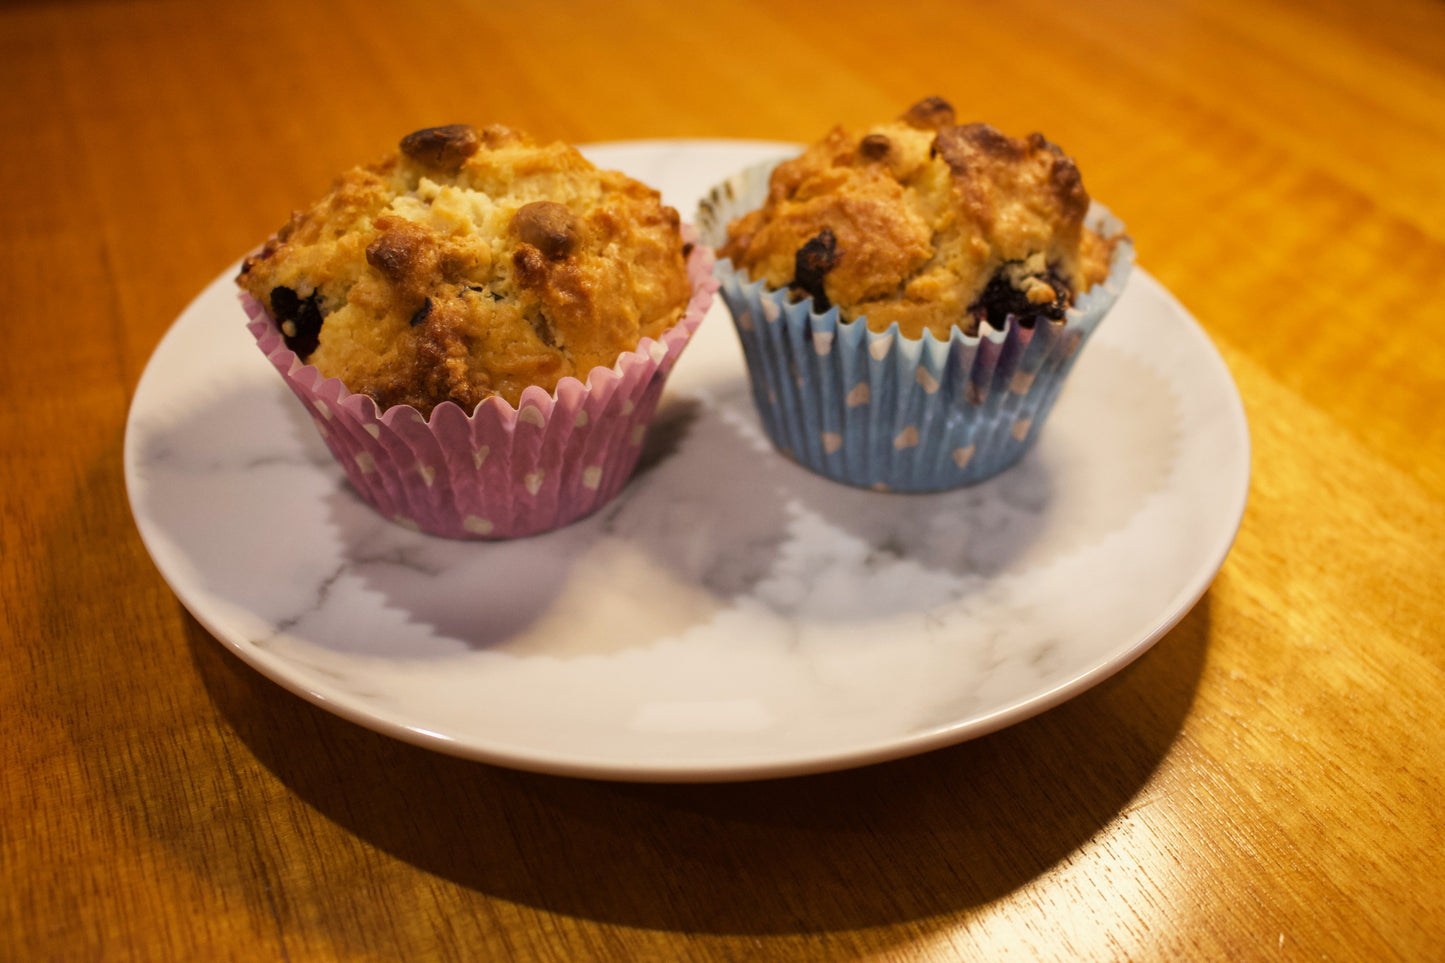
[(926, 223), (473, 263)]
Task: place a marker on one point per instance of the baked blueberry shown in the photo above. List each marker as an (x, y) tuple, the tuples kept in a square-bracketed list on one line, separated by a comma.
[(300, 319)]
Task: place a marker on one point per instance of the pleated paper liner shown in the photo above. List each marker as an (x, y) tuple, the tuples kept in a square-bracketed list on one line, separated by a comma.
[(888, 412), (498, 472)]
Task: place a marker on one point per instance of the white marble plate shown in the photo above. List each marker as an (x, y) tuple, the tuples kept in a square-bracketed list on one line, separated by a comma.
[(730, 616)]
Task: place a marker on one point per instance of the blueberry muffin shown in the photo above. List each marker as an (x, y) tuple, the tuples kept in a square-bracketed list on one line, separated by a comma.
[(473, 263), (910, 297), (480, 328)]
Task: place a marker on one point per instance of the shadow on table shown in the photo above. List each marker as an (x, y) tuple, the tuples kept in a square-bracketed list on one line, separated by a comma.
[(935, 834), (908, 841)]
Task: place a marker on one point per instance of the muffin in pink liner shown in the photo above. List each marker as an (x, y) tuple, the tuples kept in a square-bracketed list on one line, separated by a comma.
[(502, 471), (480, 327)]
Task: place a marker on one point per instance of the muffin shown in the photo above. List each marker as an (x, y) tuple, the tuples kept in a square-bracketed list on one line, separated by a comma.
[(910, 297), (480, 326)]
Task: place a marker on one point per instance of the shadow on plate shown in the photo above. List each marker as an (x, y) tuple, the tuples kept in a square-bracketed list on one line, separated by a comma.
[(265, 520), (1111, 444), (248, 492)]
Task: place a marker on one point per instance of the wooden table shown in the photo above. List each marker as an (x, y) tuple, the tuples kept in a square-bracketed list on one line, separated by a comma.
[(1268, 782)]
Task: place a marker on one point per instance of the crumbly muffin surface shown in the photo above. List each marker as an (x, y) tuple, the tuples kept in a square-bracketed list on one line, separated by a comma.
[(926, 223), (473, 263)]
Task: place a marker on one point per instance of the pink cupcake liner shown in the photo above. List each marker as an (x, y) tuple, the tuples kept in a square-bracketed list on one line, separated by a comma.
[(500, 472)]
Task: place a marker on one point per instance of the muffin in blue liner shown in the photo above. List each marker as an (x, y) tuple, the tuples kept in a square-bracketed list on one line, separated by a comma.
[(882, 410)]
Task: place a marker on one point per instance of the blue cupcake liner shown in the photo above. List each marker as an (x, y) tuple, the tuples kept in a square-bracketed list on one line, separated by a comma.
[(888, 412)]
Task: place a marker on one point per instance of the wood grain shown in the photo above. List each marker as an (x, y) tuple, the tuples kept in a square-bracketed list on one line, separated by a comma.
[(1265, 783)]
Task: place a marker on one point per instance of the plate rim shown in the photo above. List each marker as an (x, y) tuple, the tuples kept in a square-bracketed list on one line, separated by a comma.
[(285, 673)]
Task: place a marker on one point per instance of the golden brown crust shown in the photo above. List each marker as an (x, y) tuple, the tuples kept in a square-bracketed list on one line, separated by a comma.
[(473, 263), (918, 217)]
